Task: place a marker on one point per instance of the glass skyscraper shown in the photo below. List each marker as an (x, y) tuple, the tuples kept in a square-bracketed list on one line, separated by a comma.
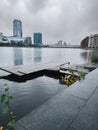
[(17, 28), (37, 38)]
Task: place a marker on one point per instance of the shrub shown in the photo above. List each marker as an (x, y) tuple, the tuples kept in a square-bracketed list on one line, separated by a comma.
[(94, 59)]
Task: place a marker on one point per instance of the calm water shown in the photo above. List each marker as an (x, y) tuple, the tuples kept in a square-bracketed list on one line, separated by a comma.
[(32, 93), (19, 56)]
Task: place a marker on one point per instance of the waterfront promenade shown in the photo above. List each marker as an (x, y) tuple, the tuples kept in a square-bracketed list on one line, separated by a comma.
[(75, 108)]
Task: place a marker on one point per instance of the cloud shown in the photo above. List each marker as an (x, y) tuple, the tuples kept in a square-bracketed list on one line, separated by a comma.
[(34, 6), (58, 20)]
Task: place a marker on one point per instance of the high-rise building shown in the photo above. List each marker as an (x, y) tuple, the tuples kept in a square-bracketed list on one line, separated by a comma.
[(93, 41), (17, 28), (37, 38), (90, 41)]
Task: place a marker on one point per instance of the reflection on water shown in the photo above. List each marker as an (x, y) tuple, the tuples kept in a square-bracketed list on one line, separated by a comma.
[(37, 55), (6, 56), (30, 95), (18, 56), (86, 55), (28, 55), (34, 92)]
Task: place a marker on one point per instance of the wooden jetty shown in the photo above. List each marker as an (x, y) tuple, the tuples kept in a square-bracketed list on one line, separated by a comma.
[(23, 70), (44, 68)]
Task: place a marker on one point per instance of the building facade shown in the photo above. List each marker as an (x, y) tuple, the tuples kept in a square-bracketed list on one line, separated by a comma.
[(37, 38), (28, 41), (14, 40), (18, 40), (85, 42), (17, 28), (93, 41), (90, 41)]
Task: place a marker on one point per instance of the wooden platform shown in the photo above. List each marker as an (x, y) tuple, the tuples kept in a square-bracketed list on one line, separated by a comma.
[(76, 68), (24, 70), (28, 69)]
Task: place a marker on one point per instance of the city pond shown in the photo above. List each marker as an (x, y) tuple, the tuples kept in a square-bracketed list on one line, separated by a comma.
[(32, 93)]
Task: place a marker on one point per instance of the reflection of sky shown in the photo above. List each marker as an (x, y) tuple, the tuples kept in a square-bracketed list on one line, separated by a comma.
[(18, 56), (63, 55), (52, 55), (28, 55), (6, 56), (31, 94)]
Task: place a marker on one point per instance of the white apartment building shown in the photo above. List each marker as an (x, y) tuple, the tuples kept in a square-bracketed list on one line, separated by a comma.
[(93, 41)]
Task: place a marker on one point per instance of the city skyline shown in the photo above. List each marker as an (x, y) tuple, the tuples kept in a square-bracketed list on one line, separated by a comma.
[(65, 20)]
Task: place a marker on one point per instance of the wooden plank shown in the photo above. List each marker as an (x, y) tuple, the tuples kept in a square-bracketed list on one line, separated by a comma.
[(28, 69), (68, 73), (11, 70), (76, 68), (35, 68)]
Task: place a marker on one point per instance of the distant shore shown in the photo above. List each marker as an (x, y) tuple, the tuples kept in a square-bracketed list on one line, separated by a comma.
[(36, 46), (43, 46)]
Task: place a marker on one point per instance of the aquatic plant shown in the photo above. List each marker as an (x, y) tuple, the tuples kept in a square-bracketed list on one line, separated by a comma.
[(72, 78), (5, 99)]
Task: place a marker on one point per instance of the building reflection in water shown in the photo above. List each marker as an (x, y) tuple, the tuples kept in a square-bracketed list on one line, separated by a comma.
[(84, 55), (37, 55), (88, 54), (18, 56)]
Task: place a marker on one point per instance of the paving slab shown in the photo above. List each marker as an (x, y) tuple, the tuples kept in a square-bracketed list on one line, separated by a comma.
[(56, 114), (86, 87), (88, 117), (18, 127), (71, 128)]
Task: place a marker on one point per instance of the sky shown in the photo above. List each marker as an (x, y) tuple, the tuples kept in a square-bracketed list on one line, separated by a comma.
[(66, 20)]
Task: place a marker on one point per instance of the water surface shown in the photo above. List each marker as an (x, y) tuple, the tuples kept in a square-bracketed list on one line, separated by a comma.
[(31, 94)]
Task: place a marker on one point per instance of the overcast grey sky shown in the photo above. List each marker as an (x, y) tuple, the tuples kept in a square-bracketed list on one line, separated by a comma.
[(68, 20)]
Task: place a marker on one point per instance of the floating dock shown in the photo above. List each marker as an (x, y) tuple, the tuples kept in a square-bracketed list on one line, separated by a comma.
[(46, 68), (23, 70)]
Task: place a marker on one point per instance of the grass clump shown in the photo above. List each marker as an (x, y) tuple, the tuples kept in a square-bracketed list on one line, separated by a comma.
[(94, 59)]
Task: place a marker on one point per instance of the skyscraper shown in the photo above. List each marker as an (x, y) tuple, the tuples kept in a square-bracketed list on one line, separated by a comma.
[(37, 38), (17, 28)]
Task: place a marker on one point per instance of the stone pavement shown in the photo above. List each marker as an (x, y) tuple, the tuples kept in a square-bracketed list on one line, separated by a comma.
[(76, 108)]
